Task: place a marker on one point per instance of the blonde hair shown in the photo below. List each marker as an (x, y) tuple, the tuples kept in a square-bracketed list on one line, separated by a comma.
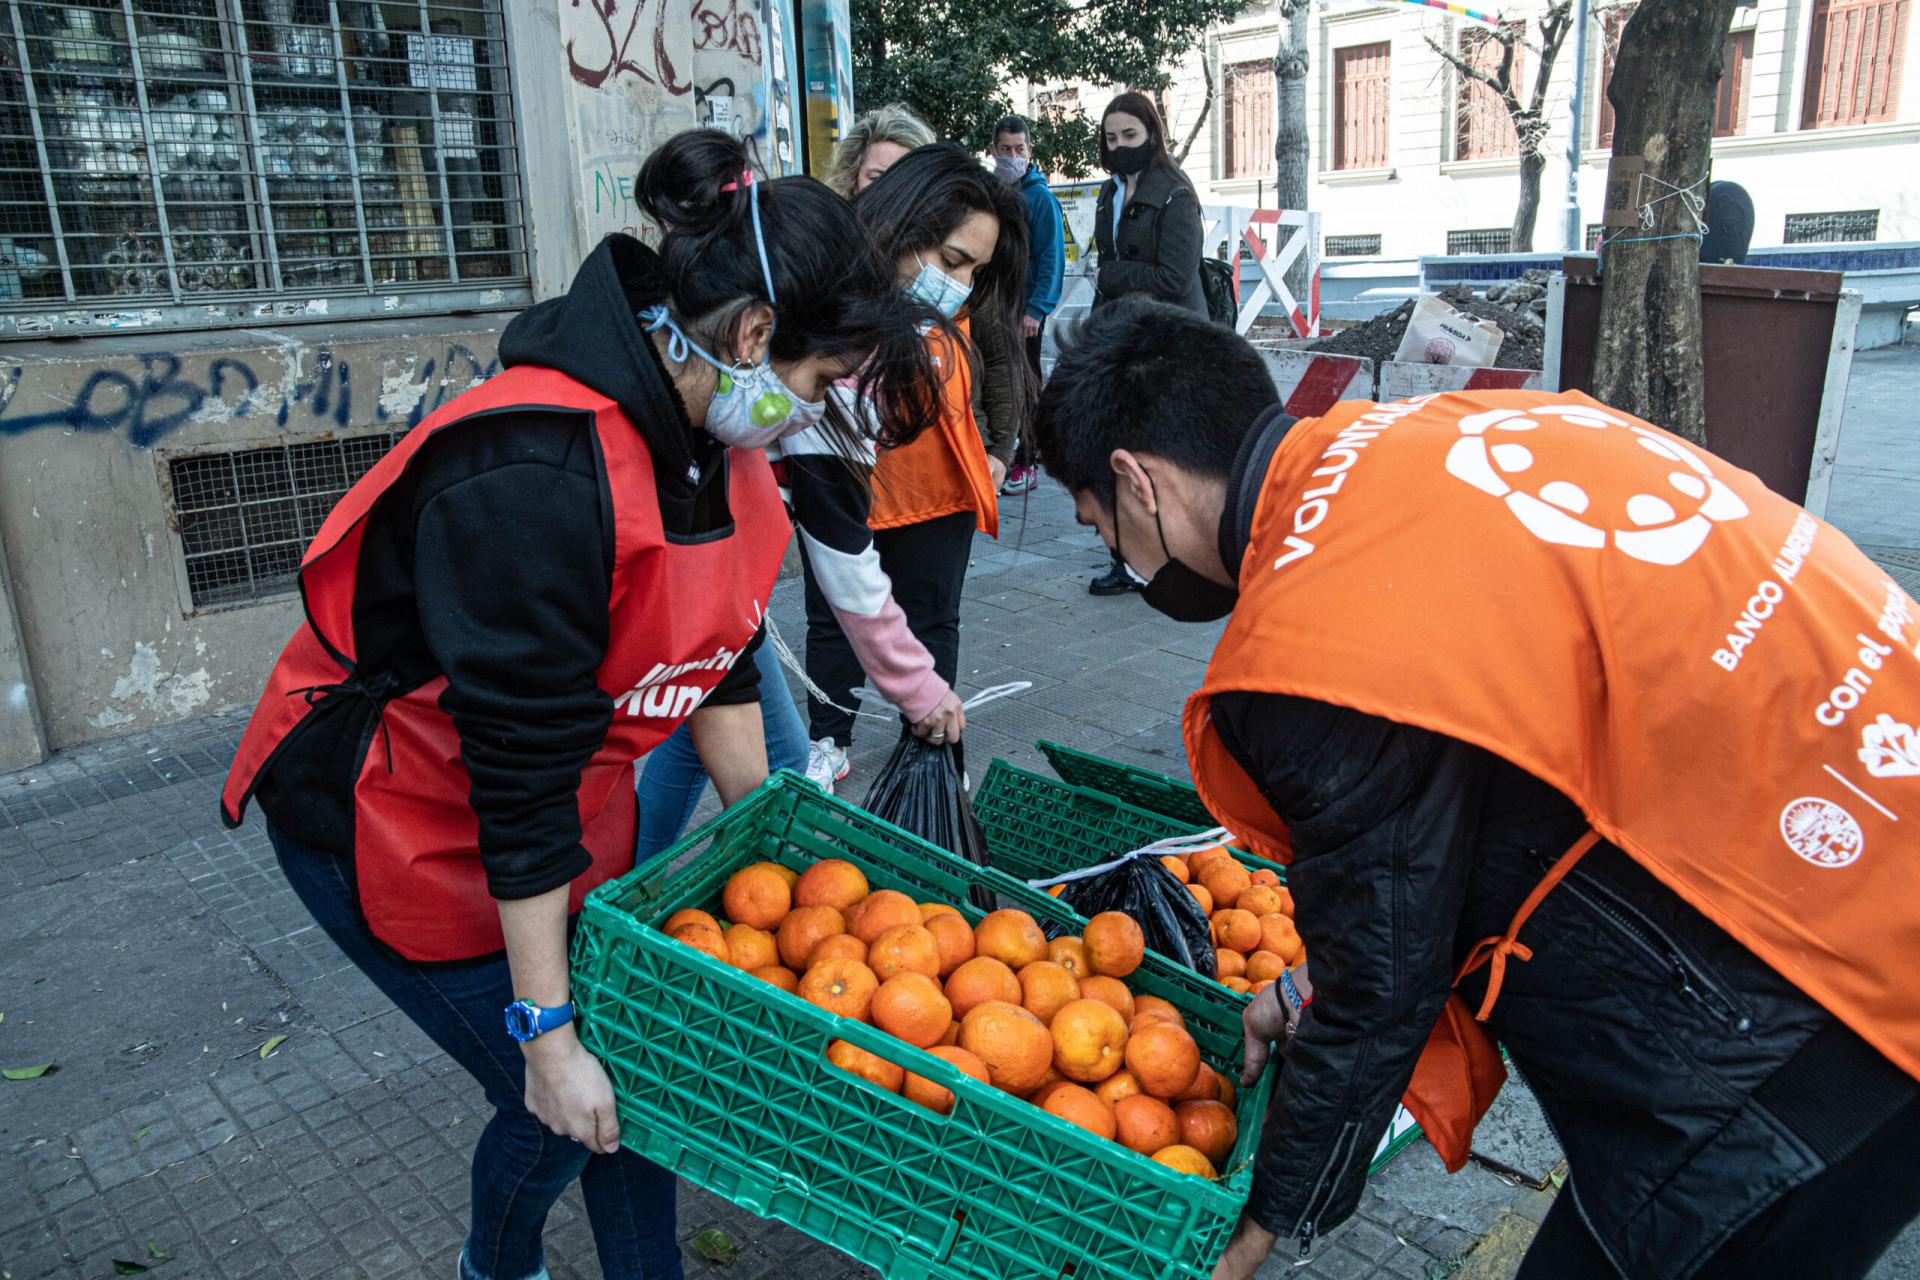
[(893, 123)]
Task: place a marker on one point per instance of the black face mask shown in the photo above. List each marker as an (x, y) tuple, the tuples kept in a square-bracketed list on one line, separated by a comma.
[(1127, 161), (1177, 590)]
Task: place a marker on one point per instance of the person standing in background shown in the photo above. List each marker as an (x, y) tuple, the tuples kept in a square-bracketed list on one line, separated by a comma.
[(1046, 263), (1146, 226)]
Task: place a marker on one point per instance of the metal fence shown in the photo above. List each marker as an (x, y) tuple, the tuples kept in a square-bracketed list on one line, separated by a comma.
[(1816, 228), (193, 163), (1354, 246), (1481, 240)]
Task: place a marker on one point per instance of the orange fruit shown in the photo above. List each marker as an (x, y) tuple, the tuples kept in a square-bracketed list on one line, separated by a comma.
[(1286, 902), (1186, 1160), (1238, 985), (782, 870), (906, 948), (1227, 1091), (1200, 859), (704, 938), (1047, 1082), (757, 895), (1121, 1084), (1259, 900), (953, 936), (1163, 1057), (979, 980), (1155, 1007), (868, 1066), (1045, 987), (688, 915), (1238, 930), (1265, 877), (1229, 964), (1178, 866), (1201, 896), (1077, 1104), (1056, 891), (1209, 1128), (1011, 937), (1205, 1087), (779, 975), (1263, 966), (802, 930), (1070, 954), (1089, 1041), (1145, 1124), (839, 946), (928, 910), (879, 911), (831, 882), (1258, 987), (1225, 880), (1115, 945), (1109, 991), (952, 1034), (1011, 1042), (750, 948), (1278, 935), (937, 1097), (911, 1007), (845, 987)]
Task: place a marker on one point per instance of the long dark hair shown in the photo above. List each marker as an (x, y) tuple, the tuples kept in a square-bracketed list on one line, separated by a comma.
[(916, 204), (1141, 108), (836, 292)]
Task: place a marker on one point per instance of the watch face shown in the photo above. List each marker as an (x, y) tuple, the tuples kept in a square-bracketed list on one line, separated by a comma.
[(521, 1022)]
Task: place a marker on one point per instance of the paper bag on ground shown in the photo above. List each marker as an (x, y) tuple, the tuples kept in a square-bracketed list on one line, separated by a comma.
[(1439, 334)]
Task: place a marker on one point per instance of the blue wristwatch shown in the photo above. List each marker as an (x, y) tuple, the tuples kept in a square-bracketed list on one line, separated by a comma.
[(527, 1020)]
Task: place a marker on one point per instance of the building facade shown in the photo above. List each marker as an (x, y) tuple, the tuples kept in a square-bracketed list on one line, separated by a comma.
[(1818, 118), (246, 244)]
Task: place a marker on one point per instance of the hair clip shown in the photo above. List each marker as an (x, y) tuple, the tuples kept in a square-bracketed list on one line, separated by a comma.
[(744, 180)]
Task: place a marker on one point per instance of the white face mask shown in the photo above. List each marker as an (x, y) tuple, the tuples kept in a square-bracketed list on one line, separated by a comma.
[(939, 290)]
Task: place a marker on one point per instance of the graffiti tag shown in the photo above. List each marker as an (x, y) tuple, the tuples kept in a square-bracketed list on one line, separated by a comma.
[(617, 64), (732, 27), (148, 404)]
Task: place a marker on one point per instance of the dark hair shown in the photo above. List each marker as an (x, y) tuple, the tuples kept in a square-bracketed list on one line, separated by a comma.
[(1141, 108), (1010, 124), (836, 294), (916, 204), (1154, 378)]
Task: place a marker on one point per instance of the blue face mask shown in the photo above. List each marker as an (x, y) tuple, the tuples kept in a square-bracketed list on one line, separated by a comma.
[(936, 289)]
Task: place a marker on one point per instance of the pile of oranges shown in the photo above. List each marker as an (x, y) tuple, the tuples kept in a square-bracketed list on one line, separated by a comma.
[(1050, 1022), (1252, 915)]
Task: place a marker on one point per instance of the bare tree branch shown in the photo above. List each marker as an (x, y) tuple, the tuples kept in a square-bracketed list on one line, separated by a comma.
[(1206, 108)]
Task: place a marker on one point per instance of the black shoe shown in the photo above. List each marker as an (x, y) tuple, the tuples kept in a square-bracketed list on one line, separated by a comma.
[(1114, 582)]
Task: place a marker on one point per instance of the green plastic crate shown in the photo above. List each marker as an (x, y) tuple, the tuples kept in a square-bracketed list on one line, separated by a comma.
[(724, 1079), (1036, 827), (1140, 787)]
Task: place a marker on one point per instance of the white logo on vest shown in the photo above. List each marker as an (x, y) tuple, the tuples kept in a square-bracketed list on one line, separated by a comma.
[(1890, 749), (1551, 508), (1821, 832)]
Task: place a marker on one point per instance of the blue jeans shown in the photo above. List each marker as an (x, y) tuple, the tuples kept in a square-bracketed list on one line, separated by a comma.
[(520, 1167), (673, 779)]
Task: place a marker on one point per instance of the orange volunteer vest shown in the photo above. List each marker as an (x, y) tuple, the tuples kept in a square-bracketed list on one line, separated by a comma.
[(1723, 683), (680, 615), (944, 470)]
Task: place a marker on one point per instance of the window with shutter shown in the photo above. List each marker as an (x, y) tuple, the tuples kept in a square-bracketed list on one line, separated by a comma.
[(1855, 50), (1736, 70), (1361, 105), (1482, 128), (1247, 148)]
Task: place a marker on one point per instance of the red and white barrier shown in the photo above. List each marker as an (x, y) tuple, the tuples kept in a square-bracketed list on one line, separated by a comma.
[(1277, 238), (1403, 379), (1310, 384)]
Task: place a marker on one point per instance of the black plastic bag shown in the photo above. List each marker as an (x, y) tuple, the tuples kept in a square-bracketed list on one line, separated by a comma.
[(1139, 885), (920, 790)]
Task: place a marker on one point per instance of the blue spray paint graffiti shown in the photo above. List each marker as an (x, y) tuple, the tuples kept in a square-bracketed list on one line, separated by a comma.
[(148, 404)]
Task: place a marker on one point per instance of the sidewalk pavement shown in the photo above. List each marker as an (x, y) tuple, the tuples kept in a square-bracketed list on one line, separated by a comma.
[(230, 1093)]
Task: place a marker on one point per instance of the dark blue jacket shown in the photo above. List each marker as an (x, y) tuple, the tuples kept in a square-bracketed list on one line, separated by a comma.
[(1046, 245)]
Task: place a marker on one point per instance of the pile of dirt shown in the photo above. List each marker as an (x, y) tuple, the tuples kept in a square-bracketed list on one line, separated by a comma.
[(1379, 338)]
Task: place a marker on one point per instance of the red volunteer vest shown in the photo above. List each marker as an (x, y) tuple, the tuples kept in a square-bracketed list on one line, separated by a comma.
[(680, 615), (1725, 686)]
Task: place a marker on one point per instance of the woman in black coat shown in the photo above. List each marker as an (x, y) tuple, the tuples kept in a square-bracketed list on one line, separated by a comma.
[(1147, 229)]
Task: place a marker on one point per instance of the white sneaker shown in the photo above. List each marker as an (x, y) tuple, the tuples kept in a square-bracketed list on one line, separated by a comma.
[(826, 764)]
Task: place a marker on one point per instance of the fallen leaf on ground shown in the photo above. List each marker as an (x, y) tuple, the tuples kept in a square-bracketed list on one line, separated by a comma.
[(273, 1042), (716, 1246), (153, 1251), (121, 1267), (27, 1073), (142, 1132)]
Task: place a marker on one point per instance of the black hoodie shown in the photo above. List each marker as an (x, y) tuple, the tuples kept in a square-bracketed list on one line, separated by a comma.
[(491, 562)]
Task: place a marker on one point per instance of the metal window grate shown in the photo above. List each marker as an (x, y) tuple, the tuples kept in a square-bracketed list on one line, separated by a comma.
[(1809, 228), (1482, 240), (1352, 246), (176, 163), (1594, 231), (246, 516)]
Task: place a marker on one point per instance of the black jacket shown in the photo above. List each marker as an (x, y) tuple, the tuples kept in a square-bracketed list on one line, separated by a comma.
[(1689, 1084), (491, 562), (1159, 250)]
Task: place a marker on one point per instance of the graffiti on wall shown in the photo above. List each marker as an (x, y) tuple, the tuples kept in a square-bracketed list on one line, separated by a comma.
[(728, 24), (154, 394), (608, 53), (733, 89)]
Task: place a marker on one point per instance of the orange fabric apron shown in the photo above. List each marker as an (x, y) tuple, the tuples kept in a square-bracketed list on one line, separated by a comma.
[(1724, 684), (944, 470)]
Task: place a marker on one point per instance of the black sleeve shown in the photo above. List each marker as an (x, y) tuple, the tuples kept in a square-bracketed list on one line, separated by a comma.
[(1382, 818), (513, 581), (1170, 274), (742, 681)]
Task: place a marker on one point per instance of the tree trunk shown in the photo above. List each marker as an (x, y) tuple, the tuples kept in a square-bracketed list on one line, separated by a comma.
[(1649, 357), (1532, 164), (1290, 155)]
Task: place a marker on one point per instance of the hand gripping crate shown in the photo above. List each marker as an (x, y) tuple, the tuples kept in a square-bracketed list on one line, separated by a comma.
[(724, 1079)]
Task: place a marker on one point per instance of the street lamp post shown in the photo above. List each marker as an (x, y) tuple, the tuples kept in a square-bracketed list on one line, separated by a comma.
[(1575, 241)]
